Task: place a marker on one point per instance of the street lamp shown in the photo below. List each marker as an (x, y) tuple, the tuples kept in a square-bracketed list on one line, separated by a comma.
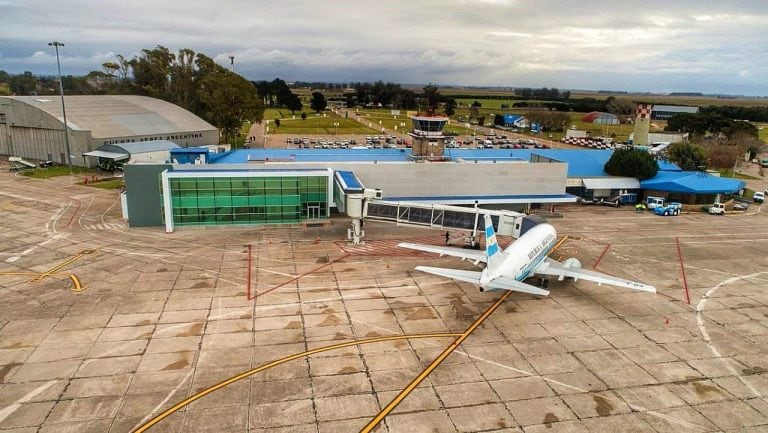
[(56, 45), (335, 128), (232, 63)]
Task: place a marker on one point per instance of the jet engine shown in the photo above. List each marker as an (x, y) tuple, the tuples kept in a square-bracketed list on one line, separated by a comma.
[(573, 262)]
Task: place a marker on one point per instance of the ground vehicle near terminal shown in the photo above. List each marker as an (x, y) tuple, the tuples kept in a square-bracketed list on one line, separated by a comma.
[(672, 208), (654, 202), (758, 197), (614, 201), (717, 209)]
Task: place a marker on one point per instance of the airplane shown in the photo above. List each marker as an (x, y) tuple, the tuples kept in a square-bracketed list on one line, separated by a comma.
[(524, 258)]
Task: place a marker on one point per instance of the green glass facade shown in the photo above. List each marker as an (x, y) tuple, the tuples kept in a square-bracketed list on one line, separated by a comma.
[(248, 200)]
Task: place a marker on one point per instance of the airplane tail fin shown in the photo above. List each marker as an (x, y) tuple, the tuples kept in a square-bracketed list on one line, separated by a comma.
[(492, 250)]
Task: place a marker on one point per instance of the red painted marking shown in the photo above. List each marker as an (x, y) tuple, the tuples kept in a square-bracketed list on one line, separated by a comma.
[(682, 270), (599, 259), (303, 275), (73, 215), (249, 271)]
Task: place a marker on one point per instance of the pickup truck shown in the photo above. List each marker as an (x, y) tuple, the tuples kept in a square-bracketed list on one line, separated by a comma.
[(672, 208), (717, 209)]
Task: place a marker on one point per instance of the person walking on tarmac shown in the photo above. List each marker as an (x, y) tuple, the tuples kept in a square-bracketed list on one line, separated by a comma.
[(447, 237)]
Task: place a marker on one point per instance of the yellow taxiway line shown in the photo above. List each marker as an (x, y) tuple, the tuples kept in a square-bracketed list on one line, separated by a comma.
[(448, 350), (245, 374), (423, 375), (57, 268), (76, 286)]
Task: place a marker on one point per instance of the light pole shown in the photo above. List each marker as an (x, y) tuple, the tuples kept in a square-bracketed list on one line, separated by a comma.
[(335, 128), (56, 45), (232, 63)]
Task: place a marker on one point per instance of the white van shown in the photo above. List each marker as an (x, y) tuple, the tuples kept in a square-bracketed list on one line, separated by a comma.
[(654, 202)]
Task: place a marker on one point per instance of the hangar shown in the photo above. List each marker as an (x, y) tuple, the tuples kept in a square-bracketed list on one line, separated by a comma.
[(601, 118), (663, 112), (32, 126)]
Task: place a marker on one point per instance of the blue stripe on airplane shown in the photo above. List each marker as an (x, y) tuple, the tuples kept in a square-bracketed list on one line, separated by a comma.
[(493, 249)]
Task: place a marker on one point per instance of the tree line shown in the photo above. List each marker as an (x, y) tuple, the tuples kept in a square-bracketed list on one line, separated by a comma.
[(190, 80)]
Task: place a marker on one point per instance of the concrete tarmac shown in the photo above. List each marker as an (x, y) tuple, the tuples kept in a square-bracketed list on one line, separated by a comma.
[(161, 317)]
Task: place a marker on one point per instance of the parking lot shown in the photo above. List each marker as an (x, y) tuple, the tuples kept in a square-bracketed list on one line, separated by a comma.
[(103, 328)]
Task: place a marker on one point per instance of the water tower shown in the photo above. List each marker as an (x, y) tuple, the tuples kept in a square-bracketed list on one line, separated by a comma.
[(642, 125), (428, 138)]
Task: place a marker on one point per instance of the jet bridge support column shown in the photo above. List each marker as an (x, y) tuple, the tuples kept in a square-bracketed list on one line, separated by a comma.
[(357, 209), (473, 233)]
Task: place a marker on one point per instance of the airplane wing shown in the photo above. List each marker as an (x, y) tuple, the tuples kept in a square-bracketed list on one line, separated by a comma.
[(463, 253), (554, 268), (501, 283)]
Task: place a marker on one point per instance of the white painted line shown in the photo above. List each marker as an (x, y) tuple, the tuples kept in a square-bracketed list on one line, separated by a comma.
[(575, 388), (5, 413), (703, 328), (12, 259), (165, 400)]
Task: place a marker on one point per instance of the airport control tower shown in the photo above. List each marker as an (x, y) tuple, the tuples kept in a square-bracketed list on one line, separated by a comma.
[(428, 138), (642, 125)]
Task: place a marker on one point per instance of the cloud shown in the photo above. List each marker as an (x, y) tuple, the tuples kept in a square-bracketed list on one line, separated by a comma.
[(650, 46)]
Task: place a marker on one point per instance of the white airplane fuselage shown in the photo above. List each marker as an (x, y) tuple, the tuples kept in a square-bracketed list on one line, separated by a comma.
[(523, 255)]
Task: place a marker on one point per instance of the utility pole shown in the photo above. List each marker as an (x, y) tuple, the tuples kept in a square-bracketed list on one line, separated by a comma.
[(56, 45)]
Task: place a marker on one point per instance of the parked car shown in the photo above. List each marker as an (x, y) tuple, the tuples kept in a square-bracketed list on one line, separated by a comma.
[(758, 197)]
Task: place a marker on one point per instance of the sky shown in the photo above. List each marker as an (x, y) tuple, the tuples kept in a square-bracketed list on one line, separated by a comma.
[(649, 46)]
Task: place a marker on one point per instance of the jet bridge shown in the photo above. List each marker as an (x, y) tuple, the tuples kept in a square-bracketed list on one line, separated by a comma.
[(361, 203), (445, 217)]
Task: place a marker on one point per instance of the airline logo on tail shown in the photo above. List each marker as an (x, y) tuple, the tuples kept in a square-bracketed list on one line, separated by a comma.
[(494, 256), (491, 247)]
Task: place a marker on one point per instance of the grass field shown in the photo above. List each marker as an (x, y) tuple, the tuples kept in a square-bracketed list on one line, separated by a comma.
[(57, 170), (107, 184), (762, 132), (319, 125), (493, 104), (728, 172)]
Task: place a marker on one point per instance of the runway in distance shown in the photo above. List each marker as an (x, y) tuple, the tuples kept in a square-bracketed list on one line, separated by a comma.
[(524, 258)]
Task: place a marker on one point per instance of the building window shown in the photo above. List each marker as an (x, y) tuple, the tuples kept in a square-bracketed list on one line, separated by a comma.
[(248, 200)]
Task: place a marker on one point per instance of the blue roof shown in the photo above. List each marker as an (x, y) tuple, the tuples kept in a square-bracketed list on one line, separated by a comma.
[(350, 181), (512, 118), (581, 162), (195, 150), (483, 197), (692, 182), (311, 155)]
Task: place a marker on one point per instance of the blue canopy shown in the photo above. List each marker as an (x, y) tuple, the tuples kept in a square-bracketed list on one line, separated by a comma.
[(692, 182)]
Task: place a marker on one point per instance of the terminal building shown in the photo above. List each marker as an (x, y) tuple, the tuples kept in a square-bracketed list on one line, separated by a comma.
[(288, 186), (32, 127)]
